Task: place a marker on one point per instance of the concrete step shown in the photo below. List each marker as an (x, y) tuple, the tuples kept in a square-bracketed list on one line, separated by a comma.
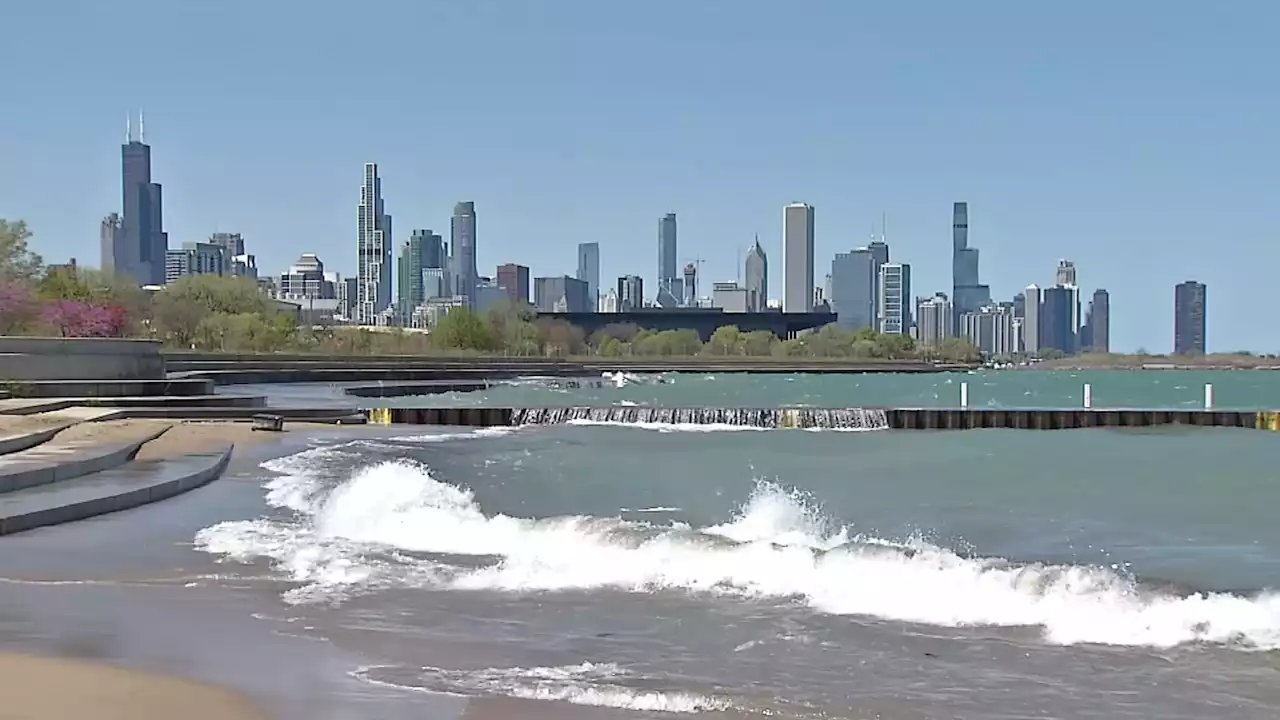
[(64, 459), (110, 388), (17, 440), (243, 401), (130, 485), (333, 415)]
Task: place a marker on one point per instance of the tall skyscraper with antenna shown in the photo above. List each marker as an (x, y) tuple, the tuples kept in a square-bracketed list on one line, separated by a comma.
[(373, 250), (136, 247)]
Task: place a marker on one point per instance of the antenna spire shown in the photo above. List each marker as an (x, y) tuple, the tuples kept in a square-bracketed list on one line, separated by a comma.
[(128, 129), (142, 129)]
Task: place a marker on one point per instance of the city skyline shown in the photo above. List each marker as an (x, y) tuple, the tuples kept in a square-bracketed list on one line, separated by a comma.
[(555, 136)]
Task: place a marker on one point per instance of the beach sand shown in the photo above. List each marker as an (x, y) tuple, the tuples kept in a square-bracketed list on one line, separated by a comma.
[(47, 688), (37, 688)]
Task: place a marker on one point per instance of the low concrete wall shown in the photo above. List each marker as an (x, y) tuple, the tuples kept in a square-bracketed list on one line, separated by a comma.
[(38, 358), (906, 418)]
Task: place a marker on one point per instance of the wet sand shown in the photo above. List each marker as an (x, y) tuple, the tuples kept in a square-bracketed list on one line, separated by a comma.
[(59, 689), (42, 687)]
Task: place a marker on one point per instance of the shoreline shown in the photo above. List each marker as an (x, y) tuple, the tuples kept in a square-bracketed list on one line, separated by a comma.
[(56, 688)]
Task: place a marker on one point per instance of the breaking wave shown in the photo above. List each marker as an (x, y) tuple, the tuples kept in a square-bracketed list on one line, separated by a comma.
[(393, 523), (599, 685)]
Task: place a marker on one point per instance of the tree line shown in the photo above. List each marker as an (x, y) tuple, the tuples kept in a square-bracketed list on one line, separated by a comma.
[(231, 314)]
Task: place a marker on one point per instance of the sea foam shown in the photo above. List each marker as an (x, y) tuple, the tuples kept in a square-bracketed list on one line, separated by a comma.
[(376, 528)]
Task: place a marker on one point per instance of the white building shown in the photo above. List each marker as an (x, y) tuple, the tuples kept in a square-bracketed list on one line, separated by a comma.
[(797, 258)]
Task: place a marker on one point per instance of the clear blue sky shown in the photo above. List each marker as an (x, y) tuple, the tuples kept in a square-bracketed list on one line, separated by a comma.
[(1138, 139)]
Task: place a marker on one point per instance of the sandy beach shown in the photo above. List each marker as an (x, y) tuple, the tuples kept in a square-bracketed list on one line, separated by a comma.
[(53, 688), (38, 688)]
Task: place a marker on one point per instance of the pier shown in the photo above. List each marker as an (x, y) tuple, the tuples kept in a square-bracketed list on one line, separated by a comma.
[(832, 418)]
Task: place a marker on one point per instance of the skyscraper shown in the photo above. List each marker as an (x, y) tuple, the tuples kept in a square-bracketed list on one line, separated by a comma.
[(854, 276), (690, 285), (1031, 320), (968, 294), (1189, 311), (757, 278), (462, 237), (373, 250), (933, 320), (111, 237), (630, 293), (668, 272), (1059, 318), (410, 289), (515, 278), (140, 244), (1100, 322), (797, 258), (894, 296), (589, 267)]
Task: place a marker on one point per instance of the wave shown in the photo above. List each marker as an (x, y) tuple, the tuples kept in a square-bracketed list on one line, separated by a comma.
[(394, 523), (594, 684), (669, 427)]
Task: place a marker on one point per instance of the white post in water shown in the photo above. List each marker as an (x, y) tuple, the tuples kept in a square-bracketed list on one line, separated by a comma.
[(964, 394), (1208, 396), (1088, 396)]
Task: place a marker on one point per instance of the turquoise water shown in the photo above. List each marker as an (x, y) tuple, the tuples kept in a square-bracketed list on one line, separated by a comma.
[(1165, 389)]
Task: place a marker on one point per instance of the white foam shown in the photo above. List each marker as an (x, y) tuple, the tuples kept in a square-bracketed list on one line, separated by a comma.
[(489, 432), (779, 545), (582, 684), (670, 427)]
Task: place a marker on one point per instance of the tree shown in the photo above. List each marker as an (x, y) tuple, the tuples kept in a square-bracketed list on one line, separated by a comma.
[(17, 262), (758, 343), (79, 318), (462, 329), (726, 340), (18, 307)]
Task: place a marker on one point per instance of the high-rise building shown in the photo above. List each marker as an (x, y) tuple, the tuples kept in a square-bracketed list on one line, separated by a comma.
[(1189, 312), (515, 278), (139, 245), (111, 237), (1099, 322), (854, 277), (630, 293), (373, 250), (410, 290), (589, 267), (991, 330), (757, 278), (1066, 273), (668, 271), (690, 285), (561, 294), (462, 238), (1031, 320), (797, 258), (968, 294), (894, 296), (194, 259), (1059, 319), (239, 262), (306, 279), (933, 320)]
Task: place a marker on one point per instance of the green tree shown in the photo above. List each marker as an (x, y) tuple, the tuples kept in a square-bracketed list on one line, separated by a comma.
[(462, 329), (758, 343), (726, 340), (17, 262), (180, 307)]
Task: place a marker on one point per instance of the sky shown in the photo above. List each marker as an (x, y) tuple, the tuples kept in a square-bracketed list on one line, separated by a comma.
[(1137, 139)]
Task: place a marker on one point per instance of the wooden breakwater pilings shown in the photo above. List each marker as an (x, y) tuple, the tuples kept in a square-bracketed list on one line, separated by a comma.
[(836, 418)]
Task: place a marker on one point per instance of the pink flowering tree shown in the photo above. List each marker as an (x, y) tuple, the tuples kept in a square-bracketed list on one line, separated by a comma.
[(17, 306), (78, 318)]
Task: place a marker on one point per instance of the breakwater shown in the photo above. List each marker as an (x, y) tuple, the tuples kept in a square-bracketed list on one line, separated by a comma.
[(831, 418), (266, 368)]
